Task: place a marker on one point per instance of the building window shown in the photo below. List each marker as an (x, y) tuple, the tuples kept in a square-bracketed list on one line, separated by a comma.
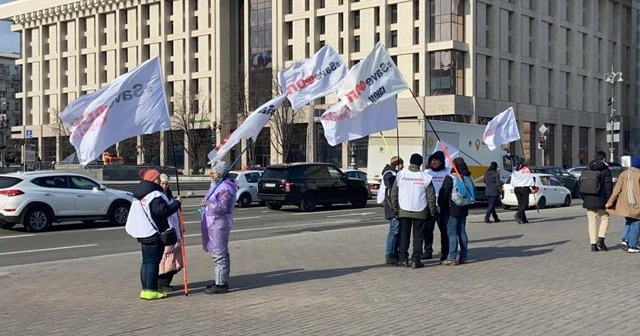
[(321, 24), (416, 10), (356, 19), (549, 151), (447, 20), (260, 59), (356, 43), (447, 73), (394, 38), (325, 152), (393, 10), (376, 16), (567, 139), (416, 35), (583, 145)]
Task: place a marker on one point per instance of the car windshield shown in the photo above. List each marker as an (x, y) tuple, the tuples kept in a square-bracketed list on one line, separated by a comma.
[(232, 176), (275, 173)]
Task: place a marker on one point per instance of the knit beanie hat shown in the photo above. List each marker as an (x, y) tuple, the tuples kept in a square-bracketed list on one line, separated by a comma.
[(635, 162), (416, 159), (149, 175)]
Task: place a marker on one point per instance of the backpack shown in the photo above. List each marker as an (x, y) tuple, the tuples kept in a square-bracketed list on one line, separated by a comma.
[(464, 192), (590, 182), (383, 192)]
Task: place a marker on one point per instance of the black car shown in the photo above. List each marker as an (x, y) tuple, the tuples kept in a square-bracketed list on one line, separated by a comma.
[(568, 180), (309, 184)]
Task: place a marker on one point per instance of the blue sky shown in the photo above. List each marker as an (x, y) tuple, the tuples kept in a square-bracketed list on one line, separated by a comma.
[(10, 40)]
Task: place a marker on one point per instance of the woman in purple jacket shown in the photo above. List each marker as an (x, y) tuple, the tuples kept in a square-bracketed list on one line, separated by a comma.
[(216, 223)]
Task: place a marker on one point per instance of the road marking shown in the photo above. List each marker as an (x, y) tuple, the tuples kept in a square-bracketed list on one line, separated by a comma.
[(348, 221), (354, 214), (319, 212), (111, 228), (49, 249), (18, 236), (122, 227)]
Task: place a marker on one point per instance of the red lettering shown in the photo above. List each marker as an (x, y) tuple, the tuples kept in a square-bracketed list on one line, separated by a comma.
[(352, 95), (309, 80), (361, 87), (291, 88), (300, 83)]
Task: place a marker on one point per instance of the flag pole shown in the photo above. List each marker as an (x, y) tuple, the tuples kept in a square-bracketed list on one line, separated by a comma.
[(183, 248), (386, 144), (434, 130)]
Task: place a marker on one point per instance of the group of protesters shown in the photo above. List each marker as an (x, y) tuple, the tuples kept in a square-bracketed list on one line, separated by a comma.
[(153, 221)]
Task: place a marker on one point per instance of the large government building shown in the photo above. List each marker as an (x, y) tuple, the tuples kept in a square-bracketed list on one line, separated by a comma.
[(465, 61)]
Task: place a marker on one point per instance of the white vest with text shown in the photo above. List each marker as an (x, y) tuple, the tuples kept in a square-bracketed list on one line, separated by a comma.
[(138, 225), (412, 190)]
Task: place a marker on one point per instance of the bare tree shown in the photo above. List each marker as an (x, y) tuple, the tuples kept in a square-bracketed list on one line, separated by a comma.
[(57, 126), (192, 116)]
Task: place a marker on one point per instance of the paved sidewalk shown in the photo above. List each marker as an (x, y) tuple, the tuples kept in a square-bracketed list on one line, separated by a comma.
[(536, 279)]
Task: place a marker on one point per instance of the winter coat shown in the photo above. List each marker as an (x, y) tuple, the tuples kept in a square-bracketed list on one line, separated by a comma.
[(172, 257), (618, 203), (160, 210), (447, 207), (429, 211), (599, 201), (388, 180), (217, 217), (492, 182)]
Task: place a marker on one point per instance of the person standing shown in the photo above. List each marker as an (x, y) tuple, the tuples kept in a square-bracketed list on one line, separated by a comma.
[(148, 217), (171, 262), (438, 172), (462, 185), (492, 191), (388, 179), (596, 186), (216, 223), (522, 182), (625, 202), (413, 199)]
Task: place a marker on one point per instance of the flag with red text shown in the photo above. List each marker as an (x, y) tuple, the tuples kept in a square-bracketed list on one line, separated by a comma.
[(339, 126), (373, 80), (131, 105)]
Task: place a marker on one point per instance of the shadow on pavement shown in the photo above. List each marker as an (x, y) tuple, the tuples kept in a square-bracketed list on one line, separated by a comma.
[(260, 280), (497, 252), (555, 219), (518, 236)]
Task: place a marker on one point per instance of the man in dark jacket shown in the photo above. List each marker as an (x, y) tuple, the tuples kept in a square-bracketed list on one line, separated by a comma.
[(595, 203), (492, 191), (393, 240), (456, 226)]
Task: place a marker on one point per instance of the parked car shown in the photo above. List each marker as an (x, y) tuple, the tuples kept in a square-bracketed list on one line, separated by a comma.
[(577, 171), (568, 180), (247, 182), (615, 168), (38, 199), (551, 192), (309, 184), (359, 175)]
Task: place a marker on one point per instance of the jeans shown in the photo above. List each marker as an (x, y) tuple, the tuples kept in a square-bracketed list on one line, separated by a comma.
[(393, 239), (592, 218), (491, 210), (151, 256), (522, 195), (441, 220), (634, 231), (221, 268), (625, 233), (457, 229), (407, 227)]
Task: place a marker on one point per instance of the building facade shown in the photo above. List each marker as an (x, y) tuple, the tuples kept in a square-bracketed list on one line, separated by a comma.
[(10, 107), (464, 61)]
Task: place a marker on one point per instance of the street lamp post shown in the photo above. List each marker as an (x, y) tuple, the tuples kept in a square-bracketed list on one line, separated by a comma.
[(612, 78)]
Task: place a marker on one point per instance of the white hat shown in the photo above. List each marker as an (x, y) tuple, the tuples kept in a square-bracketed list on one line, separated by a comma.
[(219, 167), (164, 178)]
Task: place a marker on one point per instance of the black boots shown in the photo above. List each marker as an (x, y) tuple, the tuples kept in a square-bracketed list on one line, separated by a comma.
[(600, 244), (594, 248)]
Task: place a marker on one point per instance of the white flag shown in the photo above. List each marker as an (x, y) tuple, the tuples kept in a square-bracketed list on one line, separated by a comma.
[(249, 129), (373, 80), (313, 78), (450, 150), (340, 127), (501, 130), (131, 105)]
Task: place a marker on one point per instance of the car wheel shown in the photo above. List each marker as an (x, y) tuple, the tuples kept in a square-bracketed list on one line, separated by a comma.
[(245, 200), (360, 202), (308, 202), (506, 207), (567, 201), (274, 205), (8, 226), (37, 220), (119, 214), (542, 203)]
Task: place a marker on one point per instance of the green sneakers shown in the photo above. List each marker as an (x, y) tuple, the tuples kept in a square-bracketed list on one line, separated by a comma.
[(152, 295)]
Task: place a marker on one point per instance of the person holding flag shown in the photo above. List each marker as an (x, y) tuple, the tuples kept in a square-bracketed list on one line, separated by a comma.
[(523, 185)]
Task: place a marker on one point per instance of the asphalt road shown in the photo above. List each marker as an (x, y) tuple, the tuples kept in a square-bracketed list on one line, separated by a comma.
[(77, 240)]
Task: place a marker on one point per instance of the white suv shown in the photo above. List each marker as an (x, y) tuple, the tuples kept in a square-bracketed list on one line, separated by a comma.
[(37, 199), (247, 182)]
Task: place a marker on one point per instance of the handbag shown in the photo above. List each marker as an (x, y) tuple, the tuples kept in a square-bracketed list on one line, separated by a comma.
[(168, 237)]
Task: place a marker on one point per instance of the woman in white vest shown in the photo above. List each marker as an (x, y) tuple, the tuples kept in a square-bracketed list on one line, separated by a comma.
[(149, 214), (171, 262), (413, 198)]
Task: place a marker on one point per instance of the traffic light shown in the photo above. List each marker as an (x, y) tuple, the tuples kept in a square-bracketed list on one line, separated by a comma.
[(542, 142)]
